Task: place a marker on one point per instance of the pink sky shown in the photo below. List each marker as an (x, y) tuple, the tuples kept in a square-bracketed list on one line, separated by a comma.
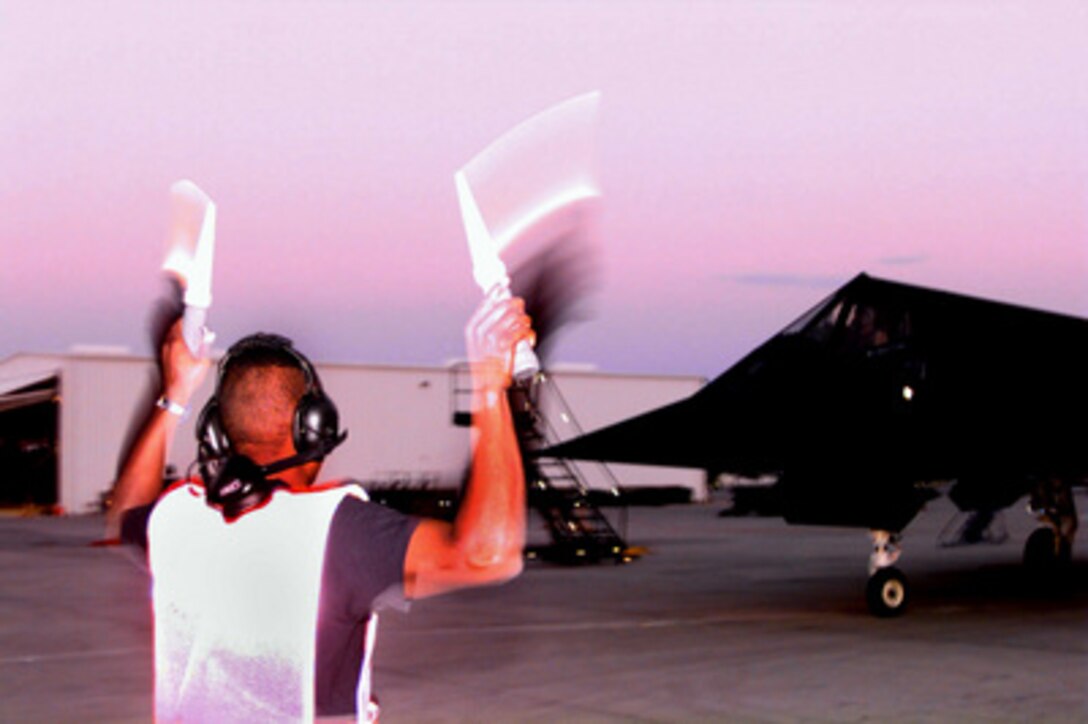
[(754, 155)]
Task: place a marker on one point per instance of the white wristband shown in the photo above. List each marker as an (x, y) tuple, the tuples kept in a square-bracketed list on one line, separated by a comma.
[(174, 408)]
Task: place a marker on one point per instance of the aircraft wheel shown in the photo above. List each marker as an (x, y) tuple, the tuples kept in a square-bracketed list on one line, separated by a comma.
[(887, 593), (1040, 553)]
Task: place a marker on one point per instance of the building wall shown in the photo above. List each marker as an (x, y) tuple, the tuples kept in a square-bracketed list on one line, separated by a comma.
[(399, 422), (99, 397), (103, 403)]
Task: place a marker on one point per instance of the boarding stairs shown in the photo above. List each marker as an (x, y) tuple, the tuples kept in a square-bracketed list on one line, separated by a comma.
[(557, 489)]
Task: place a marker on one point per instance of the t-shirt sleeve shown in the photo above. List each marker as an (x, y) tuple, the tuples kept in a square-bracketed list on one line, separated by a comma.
[(366, 549), (134, 525)]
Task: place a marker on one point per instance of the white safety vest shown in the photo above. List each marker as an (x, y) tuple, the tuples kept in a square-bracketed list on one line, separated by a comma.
[(236, 607)]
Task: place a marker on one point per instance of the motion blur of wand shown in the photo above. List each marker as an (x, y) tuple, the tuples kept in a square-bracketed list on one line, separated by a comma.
[(532, 196), (530, 188), (190, 249)]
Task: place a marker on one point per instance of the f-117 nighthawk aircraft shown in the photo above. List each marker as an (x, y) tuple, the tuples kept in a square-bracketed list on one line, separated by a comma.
[(877, 398)]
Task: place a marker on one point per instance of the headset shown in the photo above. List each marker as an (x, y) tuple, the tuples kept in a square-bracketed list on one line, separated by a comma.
[(235, 484)]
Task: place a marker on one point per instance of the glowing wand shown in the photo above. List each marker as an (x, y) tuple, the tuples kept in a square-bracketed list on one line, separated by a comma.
[(190, 250)]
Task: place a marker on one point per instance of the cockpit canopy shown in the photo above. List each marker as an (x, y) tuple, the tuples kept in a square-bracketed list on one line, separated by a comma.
[(850, 320)]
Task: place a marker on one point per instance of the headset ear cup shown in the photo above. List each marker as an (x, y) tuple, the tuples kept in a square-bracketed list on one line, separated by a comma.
[(316, 425), (212, 441)]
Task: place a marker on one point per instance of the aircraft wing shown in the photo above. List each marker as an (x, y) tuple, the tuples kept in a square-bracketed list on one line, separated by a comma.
[(671, 436), (732, 424)]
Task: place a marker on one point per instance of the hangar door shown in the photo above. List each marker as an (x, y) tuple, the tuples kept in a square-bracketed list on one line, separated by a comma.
[(29, 415)]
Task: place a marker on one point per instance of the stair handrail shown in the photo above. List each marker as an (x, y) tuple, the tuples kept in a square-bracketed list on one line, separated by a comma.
[(567, 412)]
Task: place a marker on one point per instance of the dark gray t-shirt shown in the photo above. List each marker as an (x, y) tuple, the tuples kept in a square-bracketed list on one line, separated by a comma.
[(364, 571)]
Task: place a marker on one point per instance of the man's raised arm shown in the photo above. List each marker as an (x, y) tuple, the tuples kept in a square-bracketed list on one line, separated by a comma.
[(484, 543), (140, 480)]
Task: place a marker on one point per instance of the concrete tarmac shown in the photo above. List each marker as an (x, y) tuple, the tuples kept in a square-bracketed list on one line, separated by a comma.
[(724, 619)]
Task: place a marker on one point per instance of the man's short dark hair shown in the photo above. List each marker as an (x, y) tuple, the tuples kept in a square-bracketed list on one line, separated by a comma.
[(259, 388)]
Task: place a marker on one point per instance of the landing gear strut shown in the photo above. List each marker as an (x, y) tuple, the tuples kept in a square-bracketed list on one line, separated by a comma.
[(887, 591), (1051, 545)]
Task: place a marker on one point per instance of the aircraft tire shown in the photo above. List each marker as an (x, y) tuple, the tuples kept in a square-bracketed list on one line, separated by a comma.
[(887, 593)]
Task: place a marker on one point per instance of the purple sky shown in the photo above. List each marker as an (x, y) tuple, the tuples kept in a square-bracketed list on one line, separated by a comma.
[(753, 156)]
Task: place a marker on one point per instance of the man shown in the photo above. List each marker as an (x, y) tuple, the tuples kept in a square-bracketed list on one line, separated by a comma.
[(265, 584)]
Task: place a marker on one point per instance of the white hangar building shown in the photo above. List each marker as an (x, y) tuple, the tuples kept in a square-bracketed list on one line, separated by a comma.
[(64, 420)]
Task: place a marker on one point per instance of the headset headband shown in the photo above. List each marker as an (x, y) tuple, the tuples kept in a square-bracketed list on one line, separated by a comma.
[(270, 342)]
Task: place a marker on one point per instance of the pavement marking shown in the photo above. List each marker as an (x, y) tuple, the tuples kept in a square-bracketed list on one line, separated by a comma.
[(73, 655), (654, 623)]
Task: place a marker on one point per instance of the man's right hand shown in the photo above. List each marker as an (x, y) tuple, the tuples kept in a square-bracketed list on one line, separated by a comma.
[(491, 335)]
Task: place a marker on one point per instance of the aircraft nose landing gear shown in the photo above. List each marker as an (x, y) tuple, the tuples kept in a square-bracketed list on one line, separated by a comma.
[(887, 591)]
